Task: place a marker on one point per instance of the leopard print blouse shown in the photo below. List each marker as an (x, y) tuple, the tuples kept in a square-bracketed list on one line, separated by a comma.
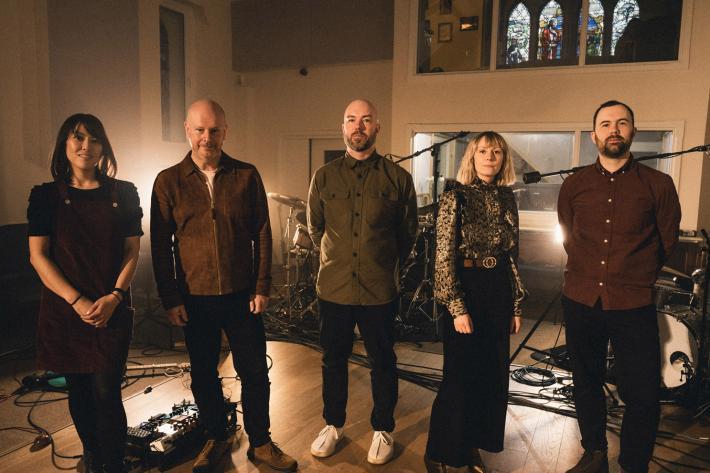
[(488, 227)]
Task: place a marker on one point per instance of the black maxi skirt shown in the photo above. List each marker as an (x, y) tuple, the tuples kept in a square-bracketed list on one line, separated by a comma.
[(470, 408)]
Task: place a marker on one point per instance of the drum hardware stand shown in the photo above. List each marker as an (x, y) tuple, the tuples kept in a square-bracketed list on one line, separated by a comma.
[(425, 293), (702, 349), (427, 282)]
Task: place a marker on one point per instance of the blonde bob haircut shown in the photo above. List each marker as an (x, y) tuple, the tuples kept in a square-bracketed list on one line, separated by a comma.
[(467, 169)]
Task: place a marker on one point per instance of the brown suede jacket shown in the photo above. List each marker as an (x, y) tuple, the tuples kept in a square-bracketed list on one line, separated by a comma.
[(209, 246)]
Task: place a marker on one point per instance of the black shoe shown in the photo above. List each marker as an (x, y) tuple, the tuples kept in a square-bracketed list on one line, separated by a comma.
[(90, 463), (594, 461), (211, 454), (476, 462), (432, 466)]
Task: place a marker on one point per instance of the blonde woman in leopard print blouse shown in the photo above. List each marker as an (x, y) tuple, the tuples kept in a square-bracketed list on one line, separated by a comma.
[(477, 280)]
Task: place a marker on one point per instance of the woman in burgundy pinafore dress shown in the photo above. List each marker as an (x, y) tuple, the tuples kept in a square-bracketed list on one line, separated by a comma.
[(84, 237)]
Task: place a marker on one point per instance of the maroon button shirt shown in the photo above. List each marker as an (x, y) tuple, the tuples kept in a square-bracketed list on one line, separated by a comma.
[(619, 228)]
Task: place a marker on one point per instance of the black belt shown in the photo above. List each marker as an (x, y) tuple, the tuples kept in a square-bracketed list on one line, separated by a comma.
[(487, 262)]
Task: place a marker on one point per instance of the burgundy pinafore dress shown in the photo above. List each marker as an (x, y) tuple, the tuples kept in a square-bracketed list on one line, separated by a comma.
[(87, 245)]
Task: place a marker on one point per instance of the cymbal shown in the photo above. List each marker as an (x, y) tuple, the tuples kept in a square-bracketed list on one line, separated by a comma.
[(674, 272), (287, 200)]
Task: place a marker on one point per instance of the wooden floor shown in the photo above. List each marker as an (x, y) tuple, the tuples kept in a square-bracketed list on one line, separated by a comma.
[(536, 441)]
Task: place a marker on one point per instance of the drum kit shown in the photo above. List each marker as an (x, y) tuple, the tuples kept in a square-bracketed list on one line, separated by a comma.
[(679, 308), (297, 294)]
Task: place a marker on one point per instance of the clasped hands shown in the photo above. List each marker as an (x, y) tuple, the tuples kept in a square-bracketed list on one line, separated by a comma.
[(99, 312)]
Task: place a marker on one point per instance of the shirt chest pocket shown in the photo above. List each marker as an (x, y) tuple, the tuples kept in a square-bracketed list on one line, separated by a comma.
[(381, 208), (337, 207)]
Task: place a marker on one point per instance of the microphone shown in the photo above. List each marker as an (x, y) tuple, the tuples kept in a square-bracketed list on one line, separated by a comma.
[(532, 177)]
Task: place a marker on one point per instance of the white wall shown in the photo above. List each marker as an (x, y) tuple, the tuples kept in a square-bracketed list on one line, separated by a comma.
[(25, 134), (278, 111), (663, 94)]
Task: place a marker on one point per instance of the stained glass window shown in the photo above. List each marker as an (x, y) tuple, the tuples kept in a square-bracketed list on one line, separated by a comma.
[(551, 26), (624, 12), (595, 28), (518, 41)]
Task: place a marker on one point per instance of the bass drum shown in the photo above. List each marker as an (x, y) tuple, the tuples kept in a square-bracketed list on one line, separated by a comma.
[(679, 346)]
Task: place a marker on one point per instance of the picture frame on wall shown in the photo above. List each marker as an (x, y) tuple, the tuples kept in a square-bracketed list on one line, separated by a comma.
[(445, 7), (445, 32)]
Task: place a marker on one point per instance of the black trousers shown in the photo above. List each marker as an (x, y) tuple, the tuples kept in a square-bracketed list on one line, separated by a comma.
[(96, 408), (634, 339), (208, 316), (470, 408), (376, 325)]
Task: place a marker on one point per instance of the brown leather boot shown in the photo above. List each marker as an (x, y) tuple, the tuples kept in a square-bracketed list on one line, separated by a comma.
[(271, 454), (594, 461), (211, 454)]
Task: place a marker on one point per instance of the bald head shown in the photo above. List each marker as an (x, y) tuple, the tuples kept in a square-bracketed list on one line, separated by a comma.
[(206, 106), (360, 128), (361, 105), (206, 129)]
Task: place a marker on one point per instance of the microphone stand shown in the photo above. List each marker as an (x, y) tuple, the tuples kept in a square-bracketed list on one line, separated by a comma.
[(428, 278), (435, 148), (535, 176), (702, 349)]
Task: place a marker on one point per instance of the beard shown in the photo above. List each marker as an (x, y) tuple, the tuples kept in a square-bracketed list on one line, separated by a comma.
[(615, 150), (360, 145)]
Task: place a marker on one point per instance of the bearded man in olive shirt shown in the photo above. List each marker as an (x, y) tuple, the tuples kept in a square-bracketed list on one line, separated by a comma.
[(362, 213), (620, 222)]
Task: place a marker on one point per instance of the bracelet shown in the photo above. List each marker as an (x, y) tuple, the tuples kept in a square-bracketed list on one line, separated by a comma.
[(117, 296), (123, 292), (76, 300)]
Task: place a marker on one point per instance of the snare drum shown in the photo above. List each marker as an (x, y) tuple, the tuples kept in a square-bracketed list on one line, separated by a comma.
[(668, 294), (301, 238), (679, 346)]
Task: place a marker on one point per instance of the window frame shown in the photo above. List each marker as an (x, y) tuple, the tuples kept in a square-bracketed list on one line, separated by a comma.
[(546, 221), (682, 63)]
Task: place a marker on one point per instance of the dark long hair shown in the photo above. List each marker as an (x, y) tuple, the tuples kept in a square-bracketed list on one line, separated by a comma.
[(60, 167)]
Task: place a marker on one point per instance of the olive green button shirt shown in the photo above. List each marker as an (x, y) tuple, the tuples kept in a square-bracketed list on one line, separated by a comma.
[(363, 216)]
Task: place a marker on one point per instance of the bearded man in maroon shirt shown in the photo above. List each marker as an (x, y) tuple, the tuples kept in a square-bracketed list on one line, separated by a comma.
[(620, 223)]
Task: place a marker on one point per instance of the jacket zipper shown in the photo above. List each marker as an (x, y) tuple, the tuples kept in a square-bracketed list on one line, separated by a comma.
[(214, 234)]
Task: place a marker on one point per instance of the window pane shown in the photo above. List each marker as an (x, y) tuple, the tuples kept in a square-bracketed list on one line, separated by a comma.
[(543, 152), (550, 32), (453, 35), (595, 28), (172, 74), (518, 36), (645, 143), (634, 30), (538, 33)]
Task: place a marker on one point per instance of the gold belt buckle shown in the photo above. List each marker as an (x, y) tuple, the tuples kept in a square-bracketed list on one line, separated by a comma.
[(489, 262)]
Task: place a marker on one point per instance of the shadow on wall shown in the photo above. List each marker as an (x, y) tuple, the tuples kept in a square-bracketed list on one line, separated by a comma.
[(19, 289)]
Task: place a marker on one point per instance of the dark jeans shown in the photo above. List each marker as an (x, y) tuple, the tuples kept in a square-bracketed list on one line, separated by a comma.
[(376, 325), (208, 316), (96, 408), (471, 406), (634, 338)]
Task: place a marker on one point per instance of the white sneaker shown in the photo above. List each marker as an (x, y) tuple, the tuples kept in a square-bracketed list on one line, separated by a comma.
[(382, 448), (324, 445)]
